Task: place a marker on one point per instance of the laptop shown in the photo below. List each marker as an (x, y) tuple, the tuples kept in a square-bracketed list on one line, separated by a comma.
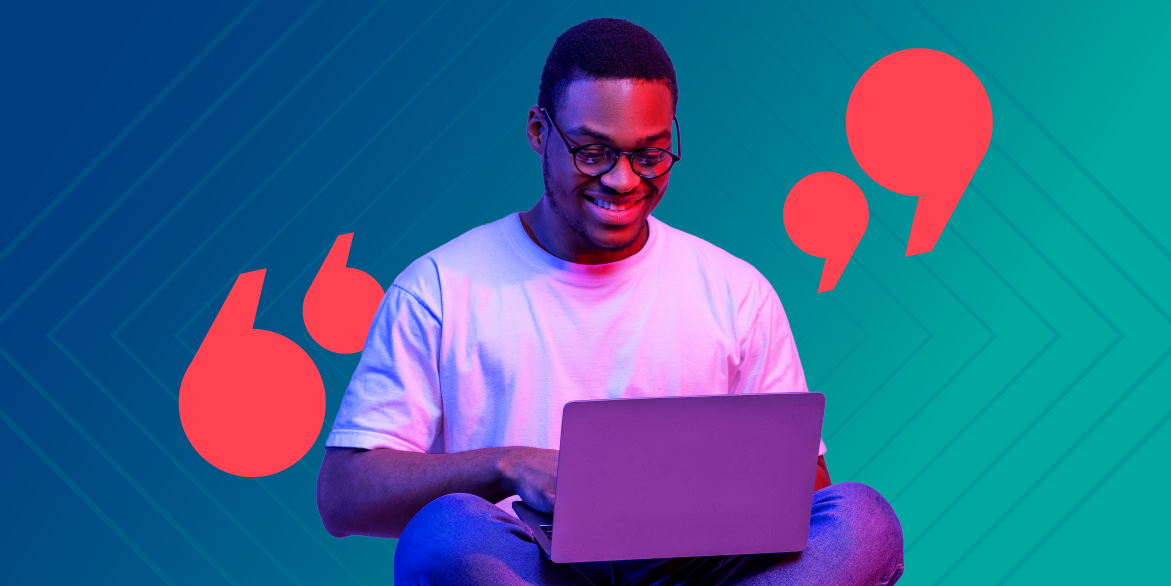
[(673, 477)]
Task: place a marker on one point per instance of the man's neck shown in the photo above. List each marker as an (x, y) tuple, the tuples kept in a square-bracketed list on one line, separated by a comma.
[(547, 230)]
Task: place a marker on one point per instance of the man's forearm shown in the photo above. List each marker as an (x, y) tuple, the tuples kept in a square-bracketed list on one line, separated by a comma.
[(376, 492), (821, 478)]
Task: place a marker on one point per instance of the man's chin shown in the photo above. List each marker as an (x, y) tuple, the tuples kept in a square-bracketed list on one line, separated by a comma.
[(617, 240)]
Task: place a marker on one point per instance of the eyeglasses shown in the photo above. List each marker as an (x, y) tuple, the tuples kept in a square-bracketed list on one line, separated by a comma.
[(598, 159)]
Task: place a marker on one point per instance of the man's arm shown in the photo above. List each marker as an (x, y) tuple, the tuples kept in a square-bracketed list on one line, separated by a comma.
[(821, 480), (377, 492)]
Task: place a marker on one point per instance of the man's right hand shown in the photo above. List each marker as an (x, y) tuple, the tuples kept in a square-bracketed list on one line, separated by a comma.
[(532, 474), (377, 492)]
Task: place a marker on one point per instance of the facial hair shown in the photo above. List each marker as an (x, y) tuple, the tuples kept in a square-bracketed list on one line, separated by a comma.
[(576, 226)]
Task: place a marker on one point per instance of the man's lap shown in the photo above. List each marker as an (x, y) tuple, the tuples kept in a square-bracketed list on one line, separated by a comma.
[(463, 539)]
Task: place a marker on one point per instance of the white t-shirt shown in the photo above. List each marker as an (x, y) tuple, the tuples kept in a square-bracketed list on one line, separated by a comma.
[(481, 342)]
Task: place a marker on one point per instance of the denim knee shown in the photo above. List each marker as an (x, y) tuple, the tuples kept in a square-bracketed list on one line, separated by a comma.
[(445, 529), (863, 526), (870, 515)]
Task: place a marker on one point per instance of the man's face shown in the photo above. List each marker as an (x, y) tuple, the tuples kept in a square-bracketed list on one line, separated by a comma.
[(626, 115)]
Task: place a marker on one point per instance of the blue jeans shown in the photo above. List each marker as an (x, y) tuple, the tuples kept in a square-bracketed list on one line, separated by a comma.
[(854, 538)]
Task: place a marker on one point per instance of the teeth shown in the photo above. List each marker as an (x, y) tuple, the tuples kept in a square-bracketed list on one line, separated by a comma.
[(613, 206)]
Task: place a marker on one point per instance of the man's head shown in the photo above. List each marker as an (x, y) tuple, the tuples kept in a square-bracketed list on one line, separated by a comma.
[(606, 82), (604, 48)]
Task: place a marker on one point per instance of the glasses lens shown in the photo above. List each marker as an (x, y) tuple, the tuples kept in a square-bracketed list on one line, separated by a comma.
[(651, 162), (595, 159)]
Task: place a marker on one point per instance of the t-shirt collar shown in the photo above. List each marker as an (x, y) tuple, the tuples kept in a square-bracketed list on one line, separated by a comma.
[(571, 271)]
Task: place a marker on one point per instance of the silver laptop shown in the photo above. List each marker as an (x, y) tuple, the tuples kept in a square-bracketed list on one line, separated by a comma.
[(682, 477)]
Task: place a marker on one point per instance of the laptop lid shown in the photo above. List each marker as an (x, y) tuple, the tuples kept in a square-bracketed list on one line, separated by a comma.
[(685, 476)]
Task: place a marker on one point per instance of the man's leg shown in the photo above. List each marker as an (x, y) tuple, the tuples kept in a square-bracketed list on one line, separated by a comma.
[(854, 538), (464, 539)]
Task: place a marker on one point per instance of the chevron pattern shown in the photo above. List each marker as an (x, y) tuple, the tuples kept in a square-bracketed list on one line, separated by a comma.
[(1008, 391)]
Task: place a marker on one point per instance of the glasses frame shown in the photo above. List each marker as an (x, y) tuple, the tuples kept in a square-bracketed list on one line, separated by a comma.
[(573, 150)]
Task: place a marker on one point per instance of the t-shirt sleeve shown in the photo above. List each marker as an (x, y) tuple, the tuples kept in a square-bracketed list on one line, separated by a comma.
[(769, 361), (393, 400)]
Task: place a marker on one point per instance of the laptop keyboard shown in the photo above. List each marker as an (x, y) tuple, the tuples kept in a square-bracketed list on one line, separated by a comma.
[(548, 529)]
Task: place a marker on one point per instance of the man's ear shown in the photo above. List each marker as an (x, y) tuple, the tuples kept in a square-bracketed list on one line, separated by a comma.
[(536, 131)]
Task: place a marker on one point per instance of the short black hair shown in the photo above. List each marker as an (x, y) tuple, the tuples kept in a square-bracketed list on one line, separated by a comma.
[(604, 48)]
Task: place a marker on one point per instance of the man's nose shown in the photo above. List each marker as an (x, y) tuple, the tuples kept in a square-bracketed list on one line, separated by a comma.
[(621, 177)]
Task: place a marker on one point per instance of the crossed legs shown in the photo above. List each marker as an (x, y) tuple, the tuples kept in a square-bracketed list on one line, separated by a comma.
[(854, 538)]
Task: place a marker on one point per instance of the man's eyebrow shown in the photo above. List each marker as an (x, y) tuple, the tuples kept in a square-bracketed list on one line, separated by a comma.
[(582, 130)]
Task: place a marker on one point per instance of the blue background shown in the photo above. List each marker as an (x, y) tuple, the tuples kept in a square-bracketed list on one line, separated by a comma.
[(1007, 391)]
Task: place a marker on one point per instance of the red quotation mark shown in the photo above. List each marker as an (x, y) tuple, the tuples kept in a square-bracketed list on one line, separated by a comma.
[(826, 216), (252, 401), (341, 302), (919, 123)]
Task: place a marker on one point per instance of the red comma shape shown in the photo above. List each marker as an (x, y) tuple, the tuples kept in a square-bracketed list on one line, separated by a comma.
[(919, 122), (341, 302), (252, 401), (826, 215)]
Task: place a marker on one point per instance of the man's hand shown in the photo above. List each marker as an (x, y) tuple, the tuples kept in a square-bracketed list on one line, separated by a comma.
[(532, 474)]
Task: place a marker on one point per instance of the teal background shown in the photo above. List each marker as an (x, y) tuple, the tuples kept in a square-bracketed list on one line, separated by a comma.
[(1008, 391)]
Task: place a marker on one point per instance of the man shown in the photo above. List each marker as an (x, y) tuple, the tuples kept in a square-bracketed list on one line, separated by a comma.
[(456, 403)]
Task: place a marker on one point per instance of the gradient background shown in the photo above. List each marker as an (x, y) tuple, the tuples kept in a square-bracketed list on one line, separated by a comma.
[(1008, 392)]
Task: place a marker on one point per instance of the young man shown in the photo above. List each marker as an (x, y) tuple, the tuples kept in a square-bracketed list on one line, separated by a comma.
[(456, 403)]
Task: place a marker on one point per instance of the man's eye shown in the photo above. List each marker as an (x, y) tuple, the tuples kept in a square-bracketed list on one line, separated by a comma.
[(650, 158), (592, 155)]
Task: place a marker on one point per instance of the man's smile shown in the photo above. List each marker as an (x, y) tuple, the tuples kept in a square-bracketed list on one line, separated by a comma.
[(608, 211)]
